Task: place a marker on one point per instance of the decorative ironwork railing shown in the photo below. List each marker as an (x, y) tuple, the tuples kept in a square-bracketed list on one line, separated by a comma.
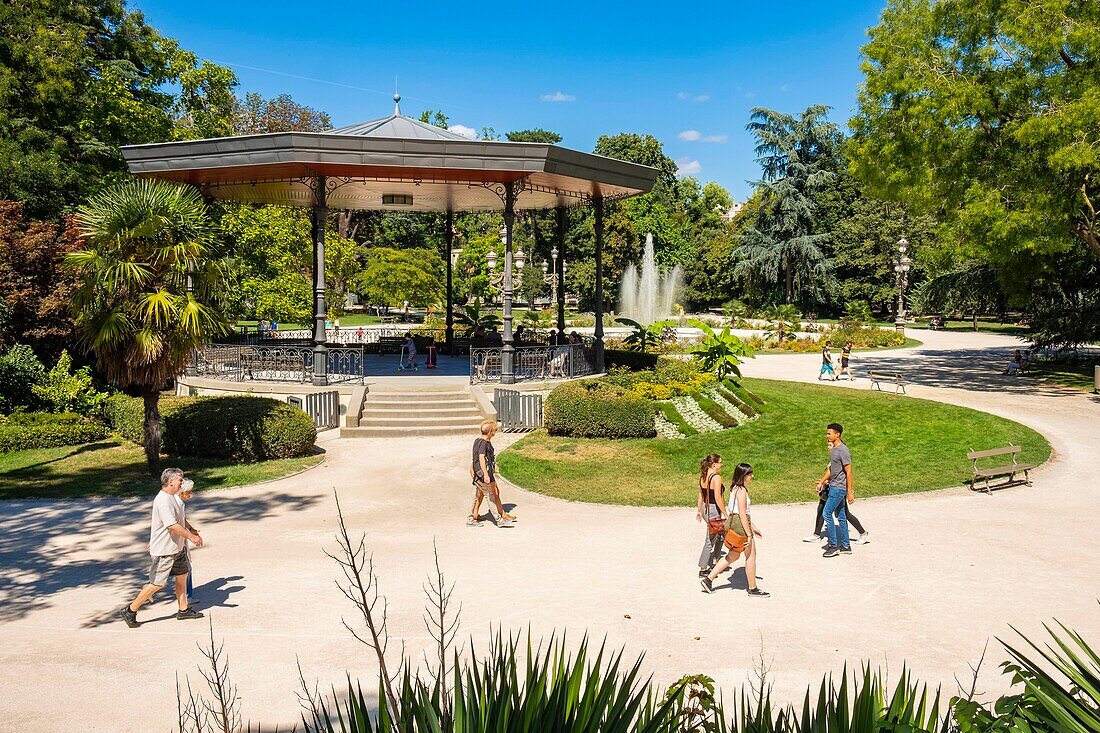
[(273, 363), (533, 362)]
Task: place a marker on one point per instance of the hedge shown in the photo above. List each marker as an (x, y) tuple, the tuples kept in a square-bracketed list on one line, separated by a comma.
[(595, 409), (239, 427), (31, 430), (739, 403), (673, 416), (714, 410), (633, 360)]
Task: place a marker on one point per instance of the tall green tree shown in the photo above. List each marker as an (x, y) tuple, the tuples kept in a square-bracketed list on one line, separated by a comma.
[(534, 135), (987, 113), (255, 115), (80, 78), (392, 276), (132, 305), (798, 157)]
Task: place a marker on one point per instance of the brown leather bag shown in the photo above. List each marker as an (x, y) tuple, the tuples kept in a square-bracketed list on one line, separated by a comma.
[(714, 526)]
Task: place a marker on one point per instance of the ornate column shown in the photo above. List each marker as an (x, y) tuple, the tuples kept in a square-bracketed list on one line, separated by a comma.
[(597, 346), (449, 226), (320, 350), (560, 268), (507, 354)]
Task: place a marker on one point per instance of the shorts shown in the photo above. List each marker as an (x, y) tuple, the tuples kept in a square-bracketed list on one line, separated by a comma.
[(164, 566), (488, 490), (826, 368)]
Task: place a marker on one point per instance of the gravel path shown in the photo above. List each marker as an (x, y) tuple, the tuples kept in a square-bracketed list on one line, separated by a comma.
[(946, 571)]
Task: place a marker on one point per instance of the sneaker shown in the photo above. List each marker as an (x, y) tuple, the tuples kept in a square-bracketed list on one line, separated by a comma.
[(506, 523), (703, 572), (128, 616), (864, 538), (472, 521), (831, 551), (758, 593), (846, 550), (707, 583), (188, 614), (812, 538)]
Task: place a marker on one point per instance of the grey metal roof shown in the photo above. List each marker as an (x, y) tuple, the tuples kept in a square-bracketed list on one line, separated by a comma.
[(392, 155), (397, 126)]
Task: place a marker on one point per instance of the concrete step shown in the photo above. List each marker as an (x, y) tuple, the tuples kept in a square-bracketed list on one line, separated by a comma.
[(448, 395), (401, 432), (371, 411), (421, 405), (468, 422)]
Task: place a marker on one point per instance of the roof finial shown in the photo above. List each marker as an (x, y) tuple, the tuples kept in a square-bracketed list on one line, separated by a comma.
[(396, 99)]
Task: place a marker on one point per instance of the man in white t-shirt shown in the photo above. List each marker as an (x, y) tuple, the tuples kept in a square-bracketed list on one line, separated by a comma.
[(168, 536)]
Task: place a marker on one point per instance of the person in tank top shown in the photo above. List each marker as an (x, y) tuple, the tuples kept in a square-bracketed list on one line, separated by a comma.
[(742, 534)]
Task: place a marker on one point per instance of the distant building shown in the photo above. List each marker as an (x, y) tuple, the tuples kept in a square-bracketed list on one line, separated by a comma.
[(732, 211)]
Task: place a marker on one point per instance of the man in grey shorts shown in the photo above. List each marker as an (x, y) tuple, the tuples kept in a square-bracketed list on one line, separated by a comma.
[(168, 536)]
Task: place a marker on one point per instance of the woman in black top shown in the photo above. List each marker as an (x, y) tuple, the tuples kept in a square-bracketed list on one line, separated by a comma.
[(710, 506)]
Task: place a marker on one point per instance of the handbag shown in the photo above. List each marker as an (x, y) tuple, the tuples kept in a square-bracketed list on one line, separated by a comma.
[(735, 528), (714, 526)]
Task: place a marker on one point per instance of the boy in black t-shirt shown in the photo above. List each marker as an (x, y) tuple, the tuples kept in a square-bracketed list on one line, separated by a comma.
[(483, 471)]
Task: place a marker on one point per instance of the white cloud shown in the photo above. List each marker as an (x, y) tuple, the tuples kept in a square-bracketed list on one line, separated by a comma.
[(689, 97), (784, 88), (558, 96), (687, 167), (464, 131), (694, 136)]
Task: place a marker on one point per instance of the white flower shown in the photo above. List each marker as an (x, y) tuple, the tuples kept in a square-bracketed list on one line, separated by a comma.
[(666, 429), (694, 416)]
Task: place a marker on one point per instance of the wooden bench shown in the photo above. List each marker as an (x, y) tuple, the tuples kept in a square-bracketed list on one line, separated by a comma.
[(1007, 470), (937, 323), (894, 378)]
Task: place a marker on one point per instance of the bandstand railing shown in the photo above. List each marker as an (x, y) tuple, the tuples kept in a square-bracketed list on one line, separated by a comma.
[(533, 362), (277, 363)]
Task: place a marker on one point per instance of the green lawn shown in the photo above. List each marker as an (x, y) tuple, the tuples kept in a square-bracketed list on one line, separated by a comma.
[(899, 444), (985, 325), (117, 468), (1076, 376)]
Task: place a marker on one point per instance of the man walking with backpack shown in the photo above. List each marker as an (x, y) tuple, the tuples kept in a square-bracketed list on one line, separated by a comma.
[(838, 482)]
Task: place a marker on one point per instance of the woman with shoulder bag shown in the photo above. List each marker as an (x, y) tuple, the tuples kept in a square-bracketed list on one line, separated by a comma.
[(711, 508), (742, 534)]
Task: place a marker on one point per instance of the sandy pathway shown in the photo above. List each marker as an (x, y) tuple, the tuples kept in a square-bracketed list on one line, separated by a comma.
[(945, 573)]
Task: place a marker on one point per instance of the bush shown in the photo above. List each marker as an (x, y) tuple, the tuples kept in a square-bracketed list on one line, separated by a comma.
[(596, 409), (714, 411), (673, 416), (64, 390), (635, 360), (240, 427), (30, 430), (20, 370), (670, 378)]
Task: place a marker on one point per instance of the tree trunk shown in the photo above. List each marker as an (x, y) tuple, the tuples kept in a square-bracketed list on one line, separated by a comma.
[(790, 281), (152, 437), (975, 320)]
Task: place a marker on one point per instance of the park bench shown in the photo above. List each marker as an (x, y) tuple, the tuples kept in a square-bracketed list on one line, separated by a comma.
[(1009, 470), (894, 378), (936, 323)]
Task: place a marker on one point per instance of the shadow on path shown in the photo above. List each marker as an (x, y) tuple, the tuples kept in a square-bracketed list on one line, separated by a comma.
[(49, 547)]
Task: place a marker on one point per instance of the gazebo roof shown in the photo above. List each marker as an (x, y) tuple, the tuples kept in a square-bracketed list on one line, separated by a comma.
[(393, 155)]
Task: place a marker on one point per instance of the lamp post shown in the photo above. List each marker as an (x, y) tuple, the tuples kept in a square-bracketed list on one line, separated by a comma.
[(496, 279), (901, 270), (551, 277)]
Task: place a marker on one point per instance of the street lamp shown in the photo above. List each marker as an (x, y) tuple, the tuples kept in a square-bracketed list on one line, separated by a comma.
[(901, 270), (551, 278), (496, 279)]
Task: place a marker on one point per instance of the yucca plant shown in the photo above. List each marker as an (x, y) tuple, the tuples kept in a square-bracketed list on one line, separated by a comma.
[(783, 322), (133, 308)]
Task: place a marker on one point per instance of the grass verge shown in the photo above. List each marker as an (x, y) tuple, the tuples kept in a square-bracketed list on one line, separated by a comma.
[(1074, 376), (899, 445), (116, 468)]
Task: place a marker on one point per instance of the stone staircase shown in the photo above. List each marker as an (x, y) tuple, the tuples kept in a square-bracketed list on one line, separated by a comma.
[(442, 410)]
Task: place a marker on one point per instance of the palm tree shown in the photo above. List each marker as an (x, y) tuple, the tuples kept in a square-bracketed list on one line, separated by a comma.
[(132, 305), (798, 156)]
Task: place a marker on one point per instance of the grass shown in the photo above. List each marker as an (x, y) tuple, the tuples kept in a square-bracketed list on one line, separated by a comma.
[(116, 468), (899, 445), (1075, 376), (985, 325)]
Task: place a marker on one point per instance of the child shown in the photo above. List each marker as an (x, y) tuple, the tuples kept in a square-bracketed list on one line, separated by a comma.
[(408, 354), (187, 490), (827, 362), (432, 352)]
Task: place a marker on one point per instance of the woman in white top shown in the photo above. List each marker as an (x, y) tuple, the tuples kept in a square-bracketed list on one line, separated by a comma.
[(742, 534)]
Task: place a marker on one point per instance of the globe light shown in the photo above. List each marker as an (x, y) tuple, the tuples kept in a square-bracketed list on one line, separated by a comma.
[(491, 258), (520, 259)]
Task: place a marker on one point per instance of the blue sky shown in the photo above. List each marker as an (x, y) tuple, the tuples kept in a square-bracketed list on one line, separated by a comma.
[(687, 74)]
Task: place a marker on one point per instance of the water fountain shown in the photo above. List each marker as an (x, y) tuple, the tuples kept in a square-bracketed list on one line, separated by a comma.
[(649, 295)]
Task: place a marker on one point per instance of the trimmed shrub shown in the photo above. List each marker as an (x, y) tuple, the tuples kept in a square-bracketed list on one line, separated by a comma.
[(715, 411), (745, 395), (30, 430), (673, 416), (741, 405), (240, 427), (596, 409), (633, 360)]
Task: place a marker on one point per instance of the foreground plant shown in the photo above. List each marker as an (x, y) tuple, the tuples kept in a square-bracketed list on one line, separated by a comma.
[(720, 352)]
